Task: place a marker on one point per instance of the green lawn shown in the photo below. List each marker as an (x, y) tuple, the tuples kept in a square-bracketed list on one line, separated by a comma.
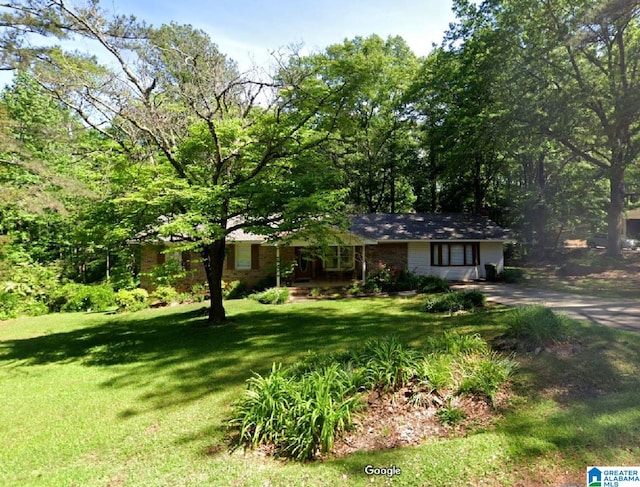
[(144, 399)]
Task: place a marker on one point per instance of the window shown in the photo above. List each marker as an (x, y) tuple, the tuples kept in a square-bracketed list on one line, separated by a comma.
[(243, 256), (455, 254), (339, 258)]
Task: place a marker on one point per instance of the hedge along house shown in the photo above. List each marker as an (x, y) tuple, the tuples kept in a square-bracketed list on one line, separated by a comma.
[(452, 246)]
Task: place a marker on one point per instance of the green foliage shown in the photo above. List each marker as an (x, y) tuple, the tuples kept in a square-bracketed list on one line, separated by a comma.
[(387, 364), (164, 295), (512, 275), (436, 371), (298, 416), (456, 344), (454, 301), (234, 289), (8, 305), (386, 278), (537, 325), (485, 374), (132, 300), (80, 297), (301, 409), (451, 415), (432, 284), (274, 295), (168, 273)]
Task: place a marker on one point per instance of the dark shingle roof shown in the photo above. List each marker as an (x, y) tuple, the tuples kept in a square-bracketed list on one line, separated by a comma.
[(426, 226)]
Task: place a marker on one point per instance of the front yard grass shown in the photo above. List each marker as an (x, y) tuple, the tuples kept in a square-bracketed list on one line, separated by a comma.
[(144, 398)]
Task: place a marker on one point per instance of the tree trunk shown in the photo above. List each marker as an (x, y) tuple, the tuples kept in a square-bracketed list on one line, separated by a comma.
[(213, 260), (614, 212)]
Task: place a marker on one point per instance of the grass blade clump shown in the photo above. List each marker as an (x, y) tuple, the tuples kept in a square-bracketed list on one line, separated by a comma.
[(299, 417), (387, 364), (485, 374), (538, 325), (456, 344)]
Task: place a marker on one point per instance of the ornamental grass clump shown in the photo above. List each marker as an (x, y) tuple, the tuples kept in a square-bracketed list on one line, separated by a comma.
[(537, 325), (301, 416), (387, 364), (484, 374)]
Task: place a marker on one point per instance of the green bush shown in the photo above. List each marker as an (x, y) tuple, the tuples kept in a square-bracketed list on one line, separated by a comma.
[(9, 304), (33, 308), (432, 284), (164, 295), (132, 300), (274, 295), (74, 297), (454, 301), (384, 277), (537, 325), (234, 290), (512, 275), (199, 292)]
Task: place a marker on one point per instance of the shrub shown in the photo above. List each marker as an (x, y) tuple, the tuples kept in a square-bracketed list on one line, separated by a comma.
[(537, 325), (454, 301), (8, 305), (165, 295), (199, 292), (81, 297), (274, 295), (234, 290), (512, 275), (133, 300), (432, 284), (384, 277), (33, 308)]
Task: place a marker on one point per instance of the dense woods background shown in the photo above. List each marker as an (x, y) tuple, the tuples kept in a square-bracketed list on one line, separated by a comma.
[(528, 112)]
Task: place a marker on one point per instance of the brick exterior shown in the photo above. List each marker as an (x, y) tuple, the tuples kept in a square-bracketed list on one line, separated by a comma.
[(394, 254), (263, 265)]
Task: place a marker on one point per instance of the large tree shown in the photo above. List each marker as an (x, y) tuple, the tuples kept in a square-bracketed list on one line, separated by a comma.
[(576, 71), (227, 150), (373, 146)]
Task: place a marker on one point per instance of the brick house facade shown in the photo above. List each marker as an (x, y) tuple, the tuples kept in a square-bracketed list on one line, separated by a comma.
[(455, 247)]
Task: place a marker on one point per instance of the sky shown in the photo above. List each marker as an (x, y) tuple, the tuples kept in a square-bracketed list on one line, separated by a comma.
[(248, 30)]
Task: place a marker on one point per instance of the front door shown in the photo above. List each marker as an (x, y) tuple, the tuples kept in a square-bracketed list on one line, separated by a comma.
[(304, 264)]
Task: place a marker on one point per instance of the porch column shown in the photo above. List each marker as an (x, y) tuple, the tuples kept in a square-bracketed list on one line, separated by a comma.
[(364, 265), (277, 265)]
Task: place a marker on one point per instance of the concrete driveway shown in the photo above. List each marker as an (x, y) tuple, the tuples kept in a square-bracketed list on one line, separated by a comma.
[(620, 313)]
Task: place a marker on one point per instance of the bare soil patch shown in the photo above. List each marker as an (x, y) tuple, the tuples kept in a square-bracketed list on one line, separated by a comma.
[(391, 421)]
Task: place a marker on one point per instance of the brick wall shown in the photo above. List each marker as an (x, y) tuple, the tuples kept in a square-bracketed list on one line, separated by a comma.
[(393, 254), (264, 264)]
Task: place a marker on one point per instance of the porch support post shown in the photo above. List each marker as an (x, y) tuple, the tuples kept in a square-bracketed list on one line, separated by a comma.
[(277, 265), (364, 265)]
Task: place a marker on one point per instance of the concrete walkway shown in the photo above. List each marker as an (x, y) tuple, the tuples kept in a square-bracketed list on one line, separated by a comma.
[(620, 313)]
